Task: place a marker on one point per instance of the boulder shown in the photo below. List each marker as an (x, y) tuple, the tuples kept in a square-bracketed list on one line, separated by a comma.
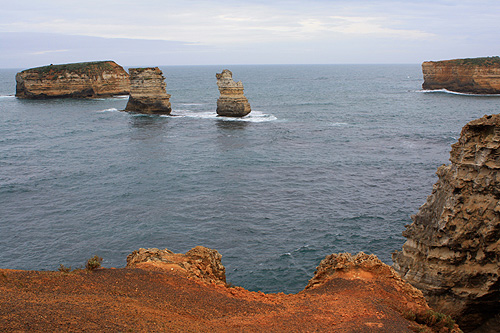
[(232, 102), (77, 80), (148, 91), (452, 252)]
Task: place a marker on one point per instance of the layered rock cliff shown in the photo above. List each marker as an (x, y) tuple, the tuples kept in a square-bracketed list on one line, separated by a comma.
[(232, 102), (78, 80), (162, 291), (148, 91), (474, 75), (452, 252)]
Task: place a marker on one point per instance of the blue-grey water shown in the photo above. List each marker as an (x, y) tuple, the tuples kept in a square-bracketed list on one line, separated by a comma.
[(333, 158)]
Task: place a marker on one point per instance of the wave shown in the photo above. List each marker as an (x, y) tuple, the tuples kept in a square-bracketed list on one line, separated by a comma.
[(192, 104), (339, 124), (446, 91), (254, 116), (7, 96), (108, 110)]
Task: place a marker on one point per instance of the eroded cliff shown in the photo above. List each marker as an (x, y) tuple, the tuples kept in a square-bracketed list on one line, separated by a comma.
[(78, 80), (232, 102), (148, 92), (452, 252), (474, 75)]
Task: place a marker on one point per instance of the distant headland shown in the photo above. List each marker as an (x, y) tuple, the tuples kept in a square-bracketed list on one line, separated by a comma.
[(470, 75)]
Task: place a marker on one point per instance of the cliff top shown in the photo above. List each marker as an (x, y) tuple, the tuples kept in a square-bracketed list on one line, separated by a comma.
[(164, 291), (483, 61), (78, 67)]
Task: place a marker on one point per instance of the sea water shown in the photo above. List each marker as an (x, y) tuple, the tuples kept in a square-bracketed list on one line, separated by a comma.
[(333, 158)]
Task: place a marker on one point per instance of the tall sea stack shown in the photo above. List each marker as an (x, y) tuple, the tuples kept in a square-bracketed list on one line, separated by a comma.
[(232, 102), (148, 92), (77, 80), (452, 252)]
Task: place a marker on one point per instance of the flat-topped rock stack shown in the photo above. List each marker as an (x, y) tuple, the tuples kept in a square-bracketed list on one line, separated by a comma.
[(148, 91), (452, 252), (232, 102), (77, 80)]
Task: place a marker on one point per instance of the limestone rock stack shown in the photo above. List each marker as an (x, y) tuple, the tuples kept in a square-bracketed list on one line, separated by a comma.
[(77, 80), (232, 102), (474, 75), (148, 91), (452, 252)]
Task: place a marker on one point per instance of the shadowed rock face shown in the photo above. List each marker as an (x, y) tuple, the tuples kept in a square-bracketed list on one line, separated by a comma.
[(475, 76), (452, 252), (148, 91), (232, 102), (78, 80)]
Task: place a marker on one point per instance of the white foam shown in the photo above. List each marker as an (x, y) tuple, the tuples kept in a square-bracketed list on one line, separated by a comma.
[(446, 91), (7, 96), (192, 104), (254, 116), (339, 124), (108, 110)]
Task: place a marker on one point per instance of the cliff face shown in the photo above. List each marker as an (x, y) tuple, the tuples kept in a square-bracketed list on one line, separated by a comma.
[(475, 76), (79, 80), (165, 291), (148, 91), (232, 102), (452, 252)]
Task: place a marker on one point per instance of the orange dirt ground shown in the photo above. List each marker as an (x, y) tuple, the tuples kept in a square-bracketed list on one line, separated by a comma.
[(150, 299)]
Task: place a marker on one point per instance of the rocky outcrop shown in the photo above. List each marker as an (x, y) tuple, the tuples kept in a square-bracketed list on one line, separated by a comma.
[(148, 91), (452, 252), (232, 102), (78, 80), (199, 263), (474, 75)]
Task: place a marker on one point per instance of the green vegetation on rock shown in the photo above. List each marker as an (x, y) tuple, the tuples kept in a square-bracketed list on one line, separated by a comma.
[(88, 68), (484, 61)]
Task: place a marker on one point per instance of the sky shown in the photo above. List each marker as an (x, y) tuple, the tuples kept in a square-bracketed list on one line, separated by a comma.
[(220, 32)]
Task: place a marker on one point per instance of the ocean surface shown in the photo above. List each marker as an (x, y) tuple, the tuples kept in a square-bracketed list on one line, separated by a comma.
[(333, 158)]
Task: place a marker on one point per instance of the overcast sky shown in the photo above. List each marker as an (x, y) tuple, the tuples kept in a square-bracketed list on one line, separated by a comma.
[(196, 32)]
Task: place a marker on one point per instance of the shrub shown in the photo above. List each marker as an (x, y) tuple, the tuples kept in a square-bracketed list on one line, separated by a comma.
[(64, 269), (93, 263)]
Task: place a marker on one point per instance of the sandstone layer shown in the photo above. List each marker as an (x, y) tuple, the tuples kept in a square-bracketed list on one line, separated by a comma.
[(474, 76), (452, 252), (78, 80), (164, 291), (148, 92), (232, 102)]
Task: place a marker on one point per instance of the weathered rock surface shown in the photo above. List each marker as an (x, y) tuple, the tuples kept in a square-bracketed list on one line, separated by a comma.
[(78, 80), (475, 75), (200, 262), (148, 91), (452, 252), (155, 294), (232, 102)]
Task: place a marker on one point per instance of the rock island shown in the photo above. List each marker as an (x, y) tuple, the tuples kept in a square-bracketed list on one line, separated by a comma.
[(77, 80)]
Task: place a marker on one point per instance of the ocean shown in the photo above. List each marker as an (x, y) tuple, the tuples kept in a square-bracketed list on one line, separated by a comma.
[(333, 158)]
